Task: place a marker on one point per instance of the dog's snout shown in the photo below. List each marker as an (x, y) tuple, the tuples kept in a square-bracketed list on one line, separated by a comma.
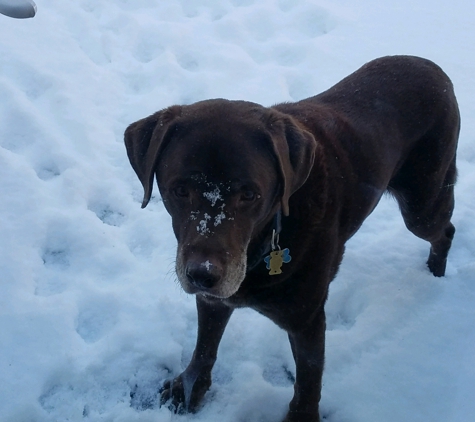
[(203, 275)]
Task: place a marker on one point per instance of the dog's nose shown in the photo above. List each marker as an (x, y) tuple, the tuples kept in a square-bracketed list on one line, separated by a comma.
[(203, 275)]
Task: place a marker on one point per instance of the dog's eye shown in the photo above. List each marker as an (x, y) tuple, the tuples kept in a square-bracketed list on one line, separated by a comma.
[(249, 195), (181, 191)]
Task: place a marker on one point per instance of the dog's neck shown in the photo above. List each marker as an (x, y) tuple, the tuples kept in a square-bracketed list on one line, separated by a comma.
[(265, 247)]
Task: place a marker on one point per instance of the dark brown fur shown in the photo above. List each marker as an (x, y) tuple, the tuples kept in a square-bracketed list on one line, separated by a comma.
[(225, 169)]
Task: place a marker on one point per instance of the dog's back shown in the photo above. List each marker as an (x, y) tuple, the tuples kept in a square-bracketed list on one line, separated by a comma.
[(408, 92), (394, 125)]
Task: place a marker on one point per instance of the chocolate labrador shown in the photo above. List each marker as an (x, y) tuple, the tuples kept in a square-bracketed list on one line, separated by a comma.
[(263, 200)]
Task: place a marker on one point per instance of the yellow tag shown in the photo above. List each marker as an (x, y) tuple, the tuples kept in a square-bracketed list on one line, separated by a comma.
[(275, 260), (275, 263)]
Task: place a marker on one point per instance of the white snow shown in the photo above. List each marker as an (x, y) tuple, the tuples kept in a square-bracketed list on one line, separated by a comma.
[(202, 226), (213, 196), (219, 218), (206, 264), (90, 311)]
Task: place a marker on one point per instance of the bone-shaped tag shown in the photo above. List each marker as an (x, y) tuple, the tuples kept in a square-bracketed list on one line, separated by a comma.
[(275, 260)]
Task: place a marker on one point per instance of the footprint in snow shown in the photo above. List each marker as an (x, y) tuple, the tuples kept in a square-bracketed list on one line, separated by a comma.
[(188, 62), (280, 376), (47, 171), (96, 319), (344, 307), (148, 46), (107, 215), (52, 278), (145, 395)]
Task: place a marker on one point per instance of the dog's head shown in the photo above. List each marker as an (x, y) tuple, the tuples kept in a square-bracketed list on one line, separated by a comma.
[(224, 168)]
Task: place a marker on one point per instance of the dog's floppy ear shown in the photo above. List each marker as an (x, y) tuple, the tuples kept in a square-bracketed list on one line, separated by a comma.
[(295, 149), (144, 140)]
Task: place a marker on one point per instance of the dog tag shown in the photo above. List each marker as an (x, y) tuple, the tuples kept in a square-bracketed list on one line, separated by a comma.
[(275, 260)]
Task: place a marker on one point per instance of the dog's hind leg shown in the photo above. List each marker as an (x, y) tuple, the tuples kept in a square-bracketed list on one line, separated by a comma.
[(425, 194), (439, 250)]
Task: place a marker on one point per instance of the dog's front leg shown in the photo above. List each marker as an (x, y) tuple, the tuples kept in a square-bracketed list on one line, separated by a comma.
[(308, 348), (188, 389)]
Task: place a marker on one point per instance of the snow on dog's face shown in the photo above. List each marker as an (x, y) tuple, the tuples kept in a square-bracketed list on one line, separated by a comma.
[(223, 168), (219, 195)]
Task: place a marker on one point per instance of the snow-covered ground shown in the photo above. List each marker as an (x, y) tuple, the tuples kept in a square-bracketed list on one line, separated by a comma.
[(90, 311)]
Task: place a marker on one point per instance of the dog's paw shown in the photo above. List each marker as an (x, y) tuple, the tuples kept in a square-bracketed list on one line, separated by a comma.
[(184, 393), (437, 262), (172, 395), (436, 265)]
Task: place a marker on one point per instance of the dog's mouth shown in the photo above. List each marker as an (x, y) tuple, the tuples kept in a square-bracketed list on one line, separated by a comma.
[(210, 276)]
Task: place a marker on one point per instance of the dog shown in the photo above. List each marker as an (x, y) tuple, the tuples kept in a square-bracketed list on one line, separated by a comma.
[(263, 200)]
